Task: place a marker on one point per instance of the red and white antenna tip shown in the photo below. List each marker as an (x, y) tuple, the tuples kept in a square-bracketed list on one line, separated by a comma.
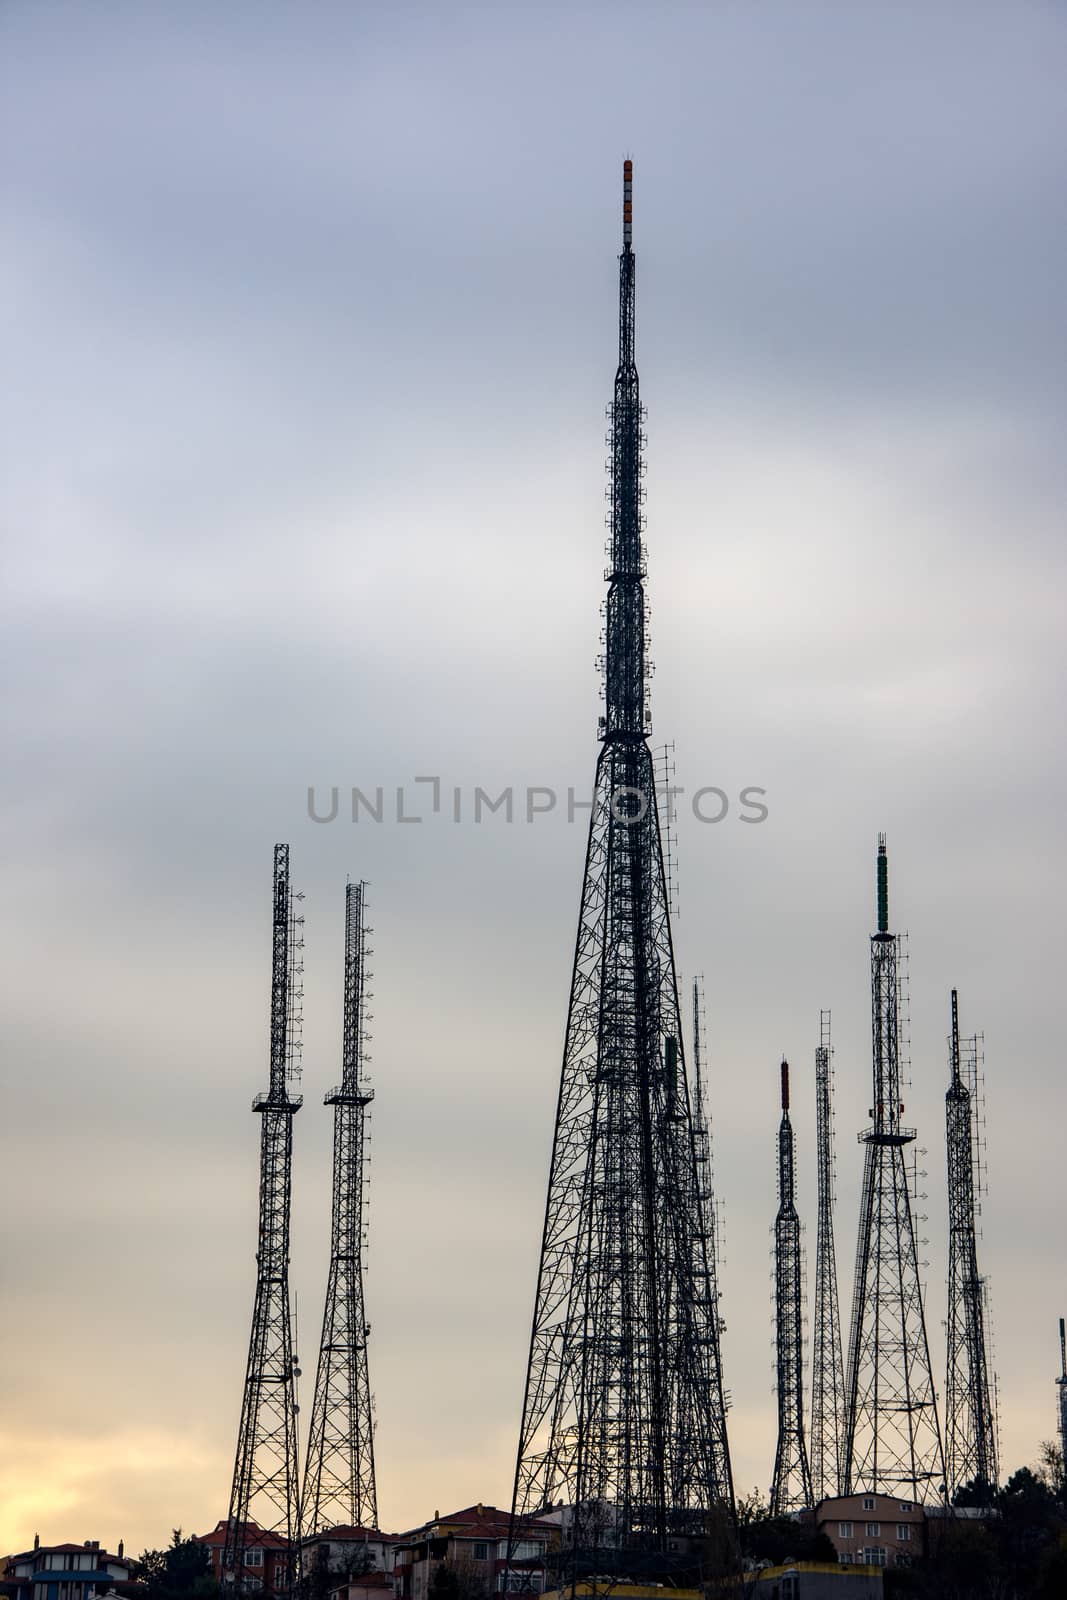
[(627, 203)]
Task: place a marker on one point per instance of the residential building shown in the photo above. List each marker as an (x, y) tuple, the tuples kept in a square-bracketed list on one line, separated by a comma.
[(267, 1558), (349, 1551), (372, 1586), (66, 1572), (875, 1530), (475, 1540)]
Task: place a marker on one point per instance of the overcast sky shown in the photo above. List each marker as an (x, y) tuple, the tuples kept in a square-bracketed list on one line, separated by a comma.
[(308, 327)]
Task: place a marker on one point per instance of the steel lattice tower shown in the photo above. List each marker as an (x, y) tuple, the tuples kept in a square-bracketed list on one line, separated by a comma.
[(265, 1474), (791, 1483), (1061, 1383), (970, 1420), (624, 1414), (339, 1480), (702, 1147), (827, 1366), (892, 1437)]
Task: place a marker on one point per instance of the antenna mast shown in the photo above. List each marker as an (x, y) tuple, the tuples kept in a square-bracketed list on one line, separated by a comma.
[(339, 1487), (827, 1366), (791, 1482), (265, 1493)]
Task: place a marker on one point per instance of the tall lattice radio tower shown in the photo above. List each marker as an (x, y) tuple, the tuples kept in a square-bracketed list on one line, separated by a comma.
[(827, 1366), (1061, 1384), (892, 1437), (339, 1485), (791, 1481), (970, 1417), (624, 1415), (265, 1488)]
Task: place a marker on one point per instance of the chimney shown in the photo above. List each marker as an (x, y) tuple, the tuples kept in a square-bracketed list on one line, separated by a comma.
[(122, 1548), (37, 1541)]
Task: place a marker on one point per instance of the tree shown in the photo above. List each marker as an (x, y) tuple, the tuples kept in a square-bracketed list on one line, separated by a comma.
[(766, 1538), (1051, 1469), (979, 1492), (181, 1572), (458, 1580), (325, 1575)]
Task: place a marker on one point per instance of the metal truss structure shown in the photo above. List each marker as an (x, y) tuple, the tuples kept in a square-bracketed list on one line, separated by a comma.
[(702, 1148), (970, 1417), (266, 1489), (892, 1437), (339, 1483), (624, 1414), (827, 1365), (791, 1482)]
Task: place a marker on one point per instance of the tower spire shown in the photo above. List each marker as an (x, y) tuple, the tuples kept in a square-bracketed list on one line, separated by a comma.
[(339, 1483), (624, 1416), (892, 1437), (791, 1481), (625, 666)]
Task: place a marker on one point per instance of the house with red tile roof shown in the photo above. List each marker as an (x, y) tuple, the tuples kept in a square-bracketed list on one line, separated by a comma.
[(268, 1558), (475, 1541)]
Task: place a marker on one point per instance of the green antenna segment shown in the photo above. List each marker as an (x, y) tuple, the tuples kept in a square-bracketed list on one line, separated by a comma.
[(883, 886)]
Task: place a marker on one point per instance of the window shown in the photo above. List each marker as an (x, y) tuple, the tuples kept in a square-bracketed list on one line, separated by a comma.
[(873, 1530), (906, 1505), (57, 1562), (874, 1558), (85, 1563), (844, 1530), (253, 1585), (868, 1505), (254, 1558), (520, 1583), (481, 1552), (903, 1531)]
